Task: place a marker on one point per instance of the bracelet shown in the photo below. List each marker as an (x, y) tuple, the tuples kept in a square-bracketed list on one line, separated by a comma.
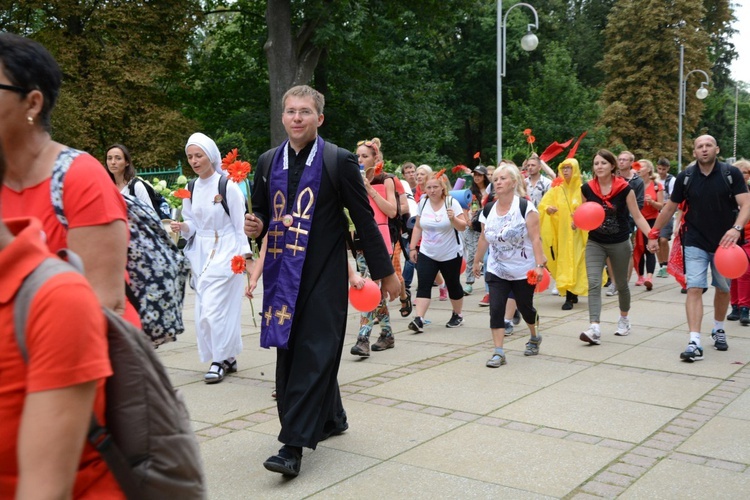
[(540, 265)]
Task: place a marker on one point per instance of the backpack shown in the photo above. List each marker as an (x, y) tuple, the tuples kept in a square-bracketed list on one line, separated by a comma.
[(223, 180), (448, 204), (148, 443), (725, 174), (157, 200), (156, 267), (522, 204)]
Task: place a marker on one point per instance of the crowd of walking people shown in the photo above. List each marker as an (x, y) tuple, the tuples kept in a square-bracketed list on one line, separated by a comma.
[(312, 201)]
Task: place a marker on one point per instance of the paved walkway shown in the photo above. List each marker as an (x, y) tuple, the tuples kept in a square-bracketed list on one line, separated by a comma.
[(428, 419)]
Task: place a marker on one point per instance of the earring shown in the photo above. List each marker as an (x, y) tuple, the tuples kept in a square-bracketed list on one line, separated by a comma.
[(30, 120)]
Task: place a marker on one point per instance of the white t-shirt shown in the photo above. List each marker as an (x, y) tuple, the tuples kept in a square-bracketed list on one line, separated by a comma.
[(140, 193), (440, 240), (511, 252)]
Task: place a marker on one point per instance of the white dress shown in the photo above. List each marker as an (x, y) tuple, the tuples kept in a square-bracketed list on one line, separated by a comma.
[(214, 238)]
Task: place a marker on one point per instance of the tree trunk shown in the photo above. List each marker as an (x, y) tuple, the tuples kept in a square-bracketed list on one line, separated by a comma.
[(291, 58)]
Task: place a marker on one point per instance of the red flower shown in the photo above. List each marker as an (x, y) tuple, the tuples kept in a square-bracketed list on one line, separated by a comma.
[(461, 168), (182, 193), (230, 158), (531, 139), (531, 277), (477, 155), (378, 167), (238, 264), (238, 171), (636, 166), (439, 174), (558, 181), (527, 131)]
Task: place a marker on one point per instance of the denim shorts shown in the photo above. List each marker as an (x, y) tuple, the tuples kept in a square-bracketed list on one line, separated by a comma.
[(697, 262), (666, 231)]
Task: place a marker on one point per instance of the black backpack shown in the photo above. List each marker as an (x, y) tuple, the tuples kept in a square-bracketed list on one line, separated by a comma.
[(148, 444), (522, 204), (157, 200)]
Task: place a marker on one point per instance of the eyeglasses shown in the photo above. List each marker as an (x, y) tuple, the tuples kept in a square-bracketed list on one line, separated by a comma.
[(13, 88), (304, 113)]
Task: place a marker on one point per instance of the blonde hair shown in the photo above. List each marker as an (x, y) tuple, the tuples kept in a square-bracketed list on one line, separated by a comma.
[(647, 163), (742, 163), (305, 91), (515, 174), (374, 144)]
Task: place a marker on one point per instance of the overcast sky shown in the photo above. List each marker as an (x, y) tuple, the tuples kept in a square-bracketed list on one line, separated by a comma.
[(741, 40)]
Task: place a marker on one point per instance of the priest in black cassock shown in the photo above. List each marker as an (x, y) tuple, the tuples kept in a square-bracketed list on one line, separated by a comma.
[(298, 201)]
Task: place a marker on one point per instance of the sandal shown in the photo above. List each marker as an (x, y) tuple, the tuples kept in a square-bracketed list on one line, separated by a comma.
[(215, 376), (406, 305)]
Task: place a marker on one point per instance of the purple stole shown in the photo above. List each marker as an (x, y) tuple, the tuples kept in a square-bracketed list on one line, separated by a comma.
[(288, 235)]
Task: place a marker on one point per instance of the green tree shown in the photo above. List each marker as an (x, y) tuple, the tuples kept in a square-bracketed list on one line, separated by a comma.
[(642, 72)]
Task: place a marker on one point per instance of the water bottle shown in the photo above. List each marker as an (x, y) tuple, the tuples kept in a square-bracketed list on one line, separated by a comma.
[(362, 171)]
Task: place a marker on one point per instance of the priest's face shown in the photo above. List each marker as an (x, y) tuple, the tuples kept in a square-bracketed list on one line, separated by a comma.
[(301, 120)]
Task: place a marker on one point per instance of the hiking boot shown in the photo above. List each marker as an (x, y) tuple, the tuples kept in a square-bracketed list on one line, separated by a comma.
[(456, 320), (496, 361), (662, 273), (612, 290), (508, 327), (592, 335), (416, 325), (384, 342), (693, 353), (532, 346), (443, 293), (623, 326), (744, 316), (735, 314), (516, 317), (485, 302), (720, 339), (468, 289), (362, 347)]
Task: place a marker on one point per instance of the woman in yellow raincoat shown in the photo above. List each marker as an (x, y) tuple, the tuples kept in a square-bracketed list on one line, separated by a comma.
[(564, 246)]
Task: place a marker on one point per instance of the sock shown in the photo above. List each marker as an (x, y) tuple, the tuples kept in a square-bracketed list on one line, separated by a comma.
[(718, 325), (695, 337), (499, 351)]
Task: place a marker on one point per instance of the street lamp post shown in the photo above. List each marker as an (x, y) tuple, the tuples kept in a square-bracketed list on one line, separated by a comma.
[(528, 43), (701, 93)]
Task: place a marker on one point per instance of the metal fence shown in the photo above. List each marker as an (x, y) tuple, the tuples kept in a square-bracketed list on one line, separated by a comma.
[(162, 173)]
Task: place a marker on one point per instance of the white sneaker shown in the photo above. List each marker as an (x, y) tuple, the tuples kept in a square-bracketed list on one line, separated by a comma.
[(592, 335), (554, 291), (611, 290), (623, 326)]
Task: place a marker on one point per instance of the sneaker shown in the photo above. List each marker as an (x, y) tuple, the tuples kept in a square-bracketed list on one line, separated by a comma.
[(516, 317), (684, 290), (443, 293), (485, 302), (496, 361), (554, 291), (468, 289), (662, 273), (694, 352), (508, 327), (640, 281), (592, 335), (362, 347), (623, 326), (720, 339), (456, 320), (416, 325), (735, 314), (426, 321), (532, 346), (384, 342), (612, 290)]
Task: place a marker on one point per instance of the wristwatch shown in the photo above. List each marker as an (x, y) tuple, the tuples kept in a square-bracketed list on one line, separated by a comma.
[(738, 228)]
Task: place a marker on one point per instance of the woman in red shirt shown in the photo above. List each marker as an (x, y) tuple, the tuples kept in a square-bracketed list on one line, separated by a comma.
[(653, 201)]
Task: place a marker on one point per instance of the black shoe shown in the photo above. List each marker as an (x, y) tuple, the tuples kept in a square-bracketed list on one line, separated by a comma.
[(567, 306), (230, 367), (744, 316), (735, 314), (287, 462), (335, 431)]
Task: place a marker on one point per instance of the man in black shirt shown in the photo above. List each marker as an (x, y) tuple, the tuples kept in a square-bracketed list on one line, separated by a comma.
[(714, 191)]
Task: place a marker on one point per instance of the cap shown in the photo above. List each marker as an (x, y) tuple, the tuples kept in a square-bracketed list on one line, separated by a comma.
[(480, 169)]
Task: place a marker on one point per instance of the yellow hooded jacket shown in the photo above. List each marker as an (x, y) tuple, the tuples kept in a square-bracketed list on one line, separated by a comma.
[(565, 247)]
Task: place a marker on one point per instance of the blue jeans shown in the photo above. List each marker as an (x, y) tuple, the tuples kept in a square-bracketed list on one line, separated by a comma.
[(697, 262)]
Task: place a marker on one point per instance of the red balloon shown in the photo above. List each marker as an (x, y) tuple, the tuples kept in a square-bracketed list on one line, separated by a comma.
[(366, 299), (544, 284), (463, 265), (731, 262), (588, 216)]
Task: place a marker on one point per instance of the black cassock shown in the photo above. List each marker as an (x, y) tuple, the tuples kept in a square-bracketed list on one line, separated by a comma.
[(307, 390)]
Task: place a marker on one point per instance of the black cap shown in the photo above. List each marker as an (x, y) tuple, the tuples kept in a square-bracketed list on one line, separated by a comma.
[(480, 169)]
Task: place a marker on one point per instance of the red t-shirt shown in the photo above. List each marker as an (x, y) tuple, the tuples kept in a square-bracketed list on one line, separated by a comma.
[(67, 345), (649, 212), (90, 198)]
